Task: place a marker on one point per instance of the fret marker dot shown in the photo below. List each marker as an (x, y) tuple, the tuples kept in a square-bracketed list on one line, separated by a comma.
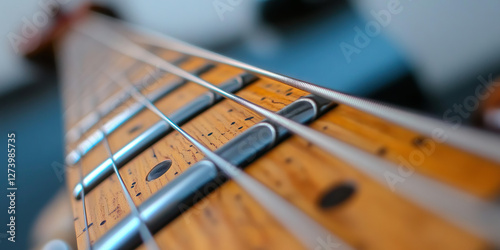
[(382, 151), (337, 195), (419, 141), (158, 170), (135, 128)]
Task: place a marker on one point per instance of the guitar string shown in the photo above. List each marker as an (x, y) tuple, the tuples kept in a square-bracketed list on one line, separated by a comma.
[(308, 231), (93, 73), (87, 78), (82, 198), (425, 191), (146, 235), (88, 68), (472, 140), (92, 78), (78, 74), (65, 64), (81, 127), (144, 231), (75, 131), (86, 123), (79, 163)]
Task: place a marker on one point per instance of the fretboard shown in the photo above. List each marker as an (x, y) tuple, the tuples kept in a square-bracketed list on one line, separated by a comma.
[(174, 147)]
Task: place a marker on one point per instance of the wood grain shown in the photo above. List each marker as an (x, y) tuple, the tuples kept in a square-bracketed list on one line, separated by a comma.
[(374, 217), (210, 128), (147, 118), (412, 151)]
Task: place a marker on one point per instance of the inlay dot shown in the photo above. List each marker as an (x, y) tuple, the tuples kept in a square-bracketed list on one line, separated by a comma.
[(158, 170), (337, 195)]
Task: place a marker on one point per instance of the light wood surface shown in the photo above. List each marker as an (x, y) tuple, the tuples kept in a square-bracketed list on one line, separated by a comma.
[(373, 218)]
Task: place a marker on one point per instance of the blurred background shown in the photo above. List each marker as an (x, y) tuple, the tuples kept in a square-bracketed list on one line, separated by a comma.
[(423, 55)]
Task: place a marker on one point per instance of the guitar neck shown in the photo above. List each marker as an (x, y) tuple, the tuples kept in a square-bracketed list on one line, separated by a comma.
[(172, 146)]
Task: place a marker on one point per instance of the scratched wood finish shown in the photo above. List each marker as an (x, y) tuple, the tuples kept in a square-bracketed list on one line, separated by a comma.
[(323, 172), (209, 128), (373, 218), (146, 119), (413, 152)]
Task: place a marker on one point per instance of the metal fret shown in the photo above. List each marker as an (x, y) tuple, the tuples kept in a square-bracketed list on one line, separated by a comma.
[(149, 241), (161, 209), (63, 63), (76, 132), (85, 220), (74, 106), (294, 220), (479, 142), (143, 230), (198, 180), (440, 198), (93, 140), (88, 81), (100, 55), (156, 132), (116, 100)]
